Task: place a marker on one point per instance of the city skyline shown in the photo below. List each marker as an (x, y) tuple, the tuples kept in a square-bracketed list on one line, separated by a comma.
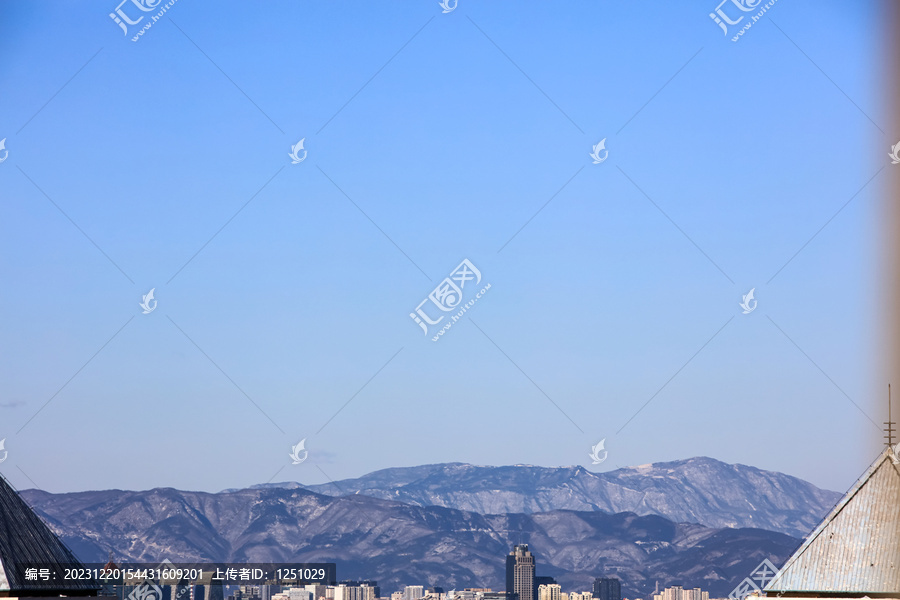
[(520, 563)]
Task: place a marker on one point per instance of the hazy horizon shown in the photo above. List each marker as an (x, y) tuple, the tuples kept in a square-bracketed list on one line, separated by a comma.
[(414, 466)]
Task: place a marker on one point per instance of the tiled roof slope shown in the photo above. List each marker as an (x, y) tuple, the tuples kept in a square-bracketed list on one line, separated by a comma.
[(25, 538), (856, 549)]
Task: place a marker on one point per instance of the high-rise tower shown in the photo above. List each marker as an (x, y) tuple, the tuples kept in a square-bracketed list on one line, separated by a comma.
[(520, 574), (607, 588)]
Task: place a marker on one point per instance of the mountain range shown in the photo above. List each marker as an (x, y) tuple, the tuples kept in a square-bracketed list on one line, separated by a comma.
[(400, 544), (410, 536), (697, 490)]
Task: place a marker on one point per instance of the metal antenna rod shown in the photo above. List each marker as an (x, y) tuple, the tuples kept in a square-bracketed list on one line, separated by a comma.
[(889, 430)]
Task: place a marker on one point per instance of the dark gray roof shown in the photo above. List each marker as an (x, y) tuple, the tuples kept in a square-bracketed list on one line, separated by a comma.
[(856, 549), (25, 538)]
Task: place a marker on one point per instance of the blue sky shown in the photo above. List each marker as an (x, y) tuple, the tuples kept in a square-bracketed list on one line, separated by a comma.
[(284, 290)]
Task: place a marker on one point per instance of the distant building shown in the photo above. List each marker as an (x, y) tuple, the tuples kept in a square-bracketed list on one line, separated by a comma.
[(411, 592), (607, 588), (678, 593), (540, 580), (244, 592), (304, 594), (373, 589), (350, 590), (669, 593), (694, 594), (317, 590), (282, 595), (549, 591), (520, 574), (581, 596), (214, 591)]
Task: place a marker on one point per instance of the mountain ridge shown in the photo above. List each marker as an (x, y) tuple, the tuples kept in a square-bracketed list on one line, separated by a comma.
[(700, 490), (398, 543)]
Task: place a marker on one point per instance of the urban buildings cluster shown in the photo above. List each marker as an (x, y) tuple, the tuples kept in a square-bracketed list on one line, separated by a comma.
[(522, 583), (519, 571)]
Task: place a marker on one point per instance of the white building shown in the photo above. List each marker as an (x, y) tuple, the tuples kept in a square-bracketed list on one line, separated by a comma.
[(410, 592), (299, 594), (695, 594), (363, 591), (550, 591), (676, 592)]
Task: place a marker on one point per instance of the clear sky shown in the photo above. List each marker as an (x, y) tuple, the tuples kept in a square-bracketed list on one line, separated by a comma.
[(285, 290)]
